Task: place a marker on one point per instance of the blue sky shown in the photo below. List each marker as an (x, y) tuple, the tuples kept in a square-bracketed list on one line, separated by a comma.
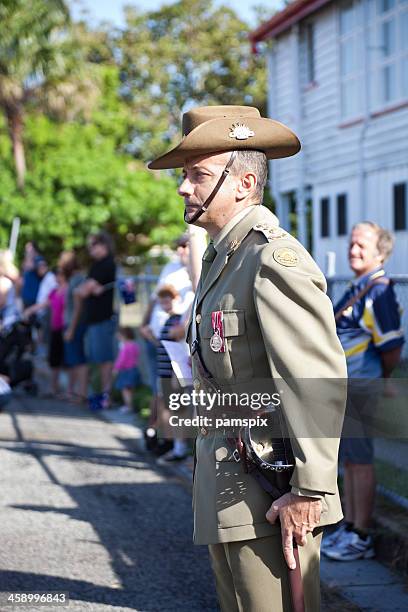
[(112, 9)]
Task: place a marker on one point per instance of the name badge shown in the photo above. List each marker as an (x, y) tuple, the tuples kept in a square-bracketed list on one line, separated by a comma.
[(217, 343)]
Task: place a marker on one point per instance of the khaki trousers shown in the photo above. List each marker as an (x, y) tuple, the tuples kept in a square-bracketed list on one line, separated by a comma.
[(252, 575)]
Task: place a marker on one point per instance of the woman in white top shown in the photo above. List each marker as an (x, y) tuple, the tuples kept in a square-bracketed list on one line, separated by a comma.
[(9, 277)]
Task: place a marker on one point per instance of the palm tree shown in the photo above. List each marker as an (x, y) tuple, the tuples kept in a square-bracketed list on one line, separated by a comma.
[(40, 66)]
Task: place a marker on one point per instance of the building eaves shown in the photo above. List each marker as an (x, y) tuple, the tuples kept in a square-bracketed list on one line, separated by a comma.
[(283, 20)]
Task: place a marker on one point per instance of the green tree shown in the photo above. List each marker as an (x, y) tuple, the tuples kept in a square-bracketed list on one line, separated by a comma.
[(41, 65), (95, 104), (78, 183), (186, 53)]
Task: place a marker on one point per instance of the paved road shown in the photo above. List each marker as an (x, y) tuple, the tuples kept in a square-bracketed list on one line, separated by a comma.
[(83, 512)]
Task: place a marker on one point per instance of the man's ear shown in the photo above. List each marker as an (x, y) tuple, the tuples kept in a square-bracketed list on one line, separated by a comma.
[(246, 185)]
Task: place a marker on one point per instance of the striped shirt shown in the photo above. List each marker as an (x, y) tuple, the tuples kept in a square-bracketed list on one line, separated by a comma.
[(164, 369), (370, 327)]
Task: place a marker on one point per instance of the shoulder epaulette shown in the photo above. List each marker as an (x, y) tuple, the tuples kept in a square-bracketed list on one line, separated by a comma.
[(271, 232)]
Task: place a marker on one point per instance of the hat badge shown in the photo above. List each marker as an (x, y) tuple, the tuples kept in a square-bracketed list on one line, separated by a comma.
[(240, 131)]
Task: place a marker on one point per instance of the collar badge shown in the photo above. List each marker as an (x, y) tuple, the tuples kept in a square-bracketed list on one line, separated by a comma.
[(240, 131)]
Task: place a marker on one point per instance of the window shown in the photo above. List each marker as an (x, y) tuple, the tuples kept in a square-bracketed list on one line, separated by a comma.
[(400, 206), (389, 51), (342, 214), (383, 6), (325, 217), (310, 66), (307, 54), (351, 54)]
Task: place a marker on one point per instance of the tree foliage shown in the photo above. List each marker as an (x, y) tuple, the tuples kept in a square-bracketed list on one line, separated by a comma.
[(77, 183), (184, 54), (42, 65), (94, 104)]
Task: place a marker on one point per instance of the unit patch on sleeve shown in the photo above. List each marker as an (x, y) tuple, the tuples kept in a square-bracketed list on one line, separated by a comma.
[(286, 257)]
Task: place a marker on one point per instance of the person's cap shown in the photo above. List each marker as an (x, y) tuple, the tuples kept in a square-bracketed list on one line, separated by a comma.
[(214, 129)]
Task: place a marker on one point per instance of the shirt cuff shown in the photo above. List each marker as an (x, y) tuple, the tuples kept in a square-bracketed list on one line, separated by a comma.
[(306, 493)]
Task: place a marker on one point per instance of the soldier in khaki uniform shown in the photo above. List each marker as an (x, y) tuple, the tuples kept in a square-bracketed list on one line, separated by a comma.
[(277, 323)]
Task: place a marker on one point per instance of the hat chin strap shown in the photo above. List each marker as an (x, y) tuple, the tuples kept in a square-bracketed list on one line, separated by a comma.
[(214, 192)]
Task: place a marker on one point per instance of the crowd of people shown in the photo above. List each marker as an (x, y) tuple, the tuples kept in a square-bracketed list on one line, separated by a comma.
[(68, 314)]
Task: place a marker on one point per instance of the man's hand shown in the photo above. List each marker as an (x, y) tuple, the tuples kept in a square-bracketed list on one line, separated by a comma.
[(89, 287), (177, 332), (298, 516), (27, 313), (147, 334)]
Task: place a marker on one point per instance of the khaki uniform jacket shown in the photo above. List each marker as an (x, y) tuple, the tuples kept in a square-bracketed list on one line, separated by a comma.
[(278, 324)]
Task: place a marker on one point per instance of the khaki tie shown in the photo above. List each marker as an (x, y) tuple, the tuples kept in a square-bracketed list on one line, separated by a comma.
[(208, 257)]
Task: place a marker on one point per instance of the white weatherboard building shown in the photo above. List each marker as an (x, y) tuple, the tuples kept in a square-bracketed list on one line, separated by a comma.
[(338, 76)]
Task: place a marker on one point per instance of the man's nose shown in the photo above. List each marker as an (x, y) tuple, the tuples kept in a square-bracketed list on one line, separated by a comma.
[(186, 188), (353, 249)]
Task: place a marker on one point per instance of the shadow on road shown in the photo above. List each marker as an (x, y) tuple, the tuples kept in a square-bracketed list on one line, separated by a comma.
[(145, 528)]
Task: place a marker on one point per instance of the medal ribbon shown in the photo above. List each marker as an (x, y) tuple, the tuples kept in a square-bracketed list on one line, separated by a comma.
[(217, 319)]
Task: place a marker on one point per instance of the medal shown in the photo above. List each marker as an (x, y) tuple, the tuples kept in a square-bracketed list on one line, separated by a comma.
[(217, 339), (216, 343)]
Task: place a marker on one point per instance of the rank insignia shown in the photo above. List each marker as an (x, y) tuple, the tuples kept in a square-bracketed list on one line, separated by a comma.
[(234, 244), (286, 257), (270, 232), (240, 131)]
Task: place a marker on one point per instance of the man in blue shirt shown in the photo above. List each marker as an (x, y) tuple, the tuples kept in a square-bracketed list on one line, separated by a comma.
[(368, 322)]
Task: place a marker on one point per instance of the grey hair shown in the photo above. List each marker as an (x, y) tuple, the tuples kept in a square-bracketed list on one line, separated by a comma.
[(252, 161), (385, 239)]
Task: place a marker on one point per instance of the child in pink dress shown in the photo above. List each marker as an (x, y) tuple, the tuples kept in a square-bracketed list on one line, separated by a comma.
[(126, 367)]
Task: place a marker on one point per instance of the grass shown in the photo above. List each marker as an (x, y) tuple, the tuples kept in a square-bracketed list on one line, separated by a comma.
[(141, 401), (392, 478), (387, 475)]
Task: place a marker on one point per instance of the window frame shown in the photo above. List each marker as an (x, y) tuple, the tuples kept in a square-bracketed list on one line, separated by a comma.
[(342, 214), (397, 215), (325, 217)]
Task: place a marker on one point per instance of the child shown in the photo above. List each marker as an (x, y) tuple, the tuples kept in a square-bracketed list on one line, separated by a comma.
[(56, 303), (167, 297), (126, 367)]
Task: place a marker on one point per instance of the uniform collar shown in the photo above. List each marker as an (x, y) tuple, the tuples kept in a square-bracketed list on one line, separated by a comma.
[(231, 224), (227, 243), (233, 233)]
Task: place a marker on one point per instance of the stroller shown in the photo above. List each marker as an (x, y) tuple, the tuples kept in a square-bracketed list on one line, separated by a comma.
[(15, 342)]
